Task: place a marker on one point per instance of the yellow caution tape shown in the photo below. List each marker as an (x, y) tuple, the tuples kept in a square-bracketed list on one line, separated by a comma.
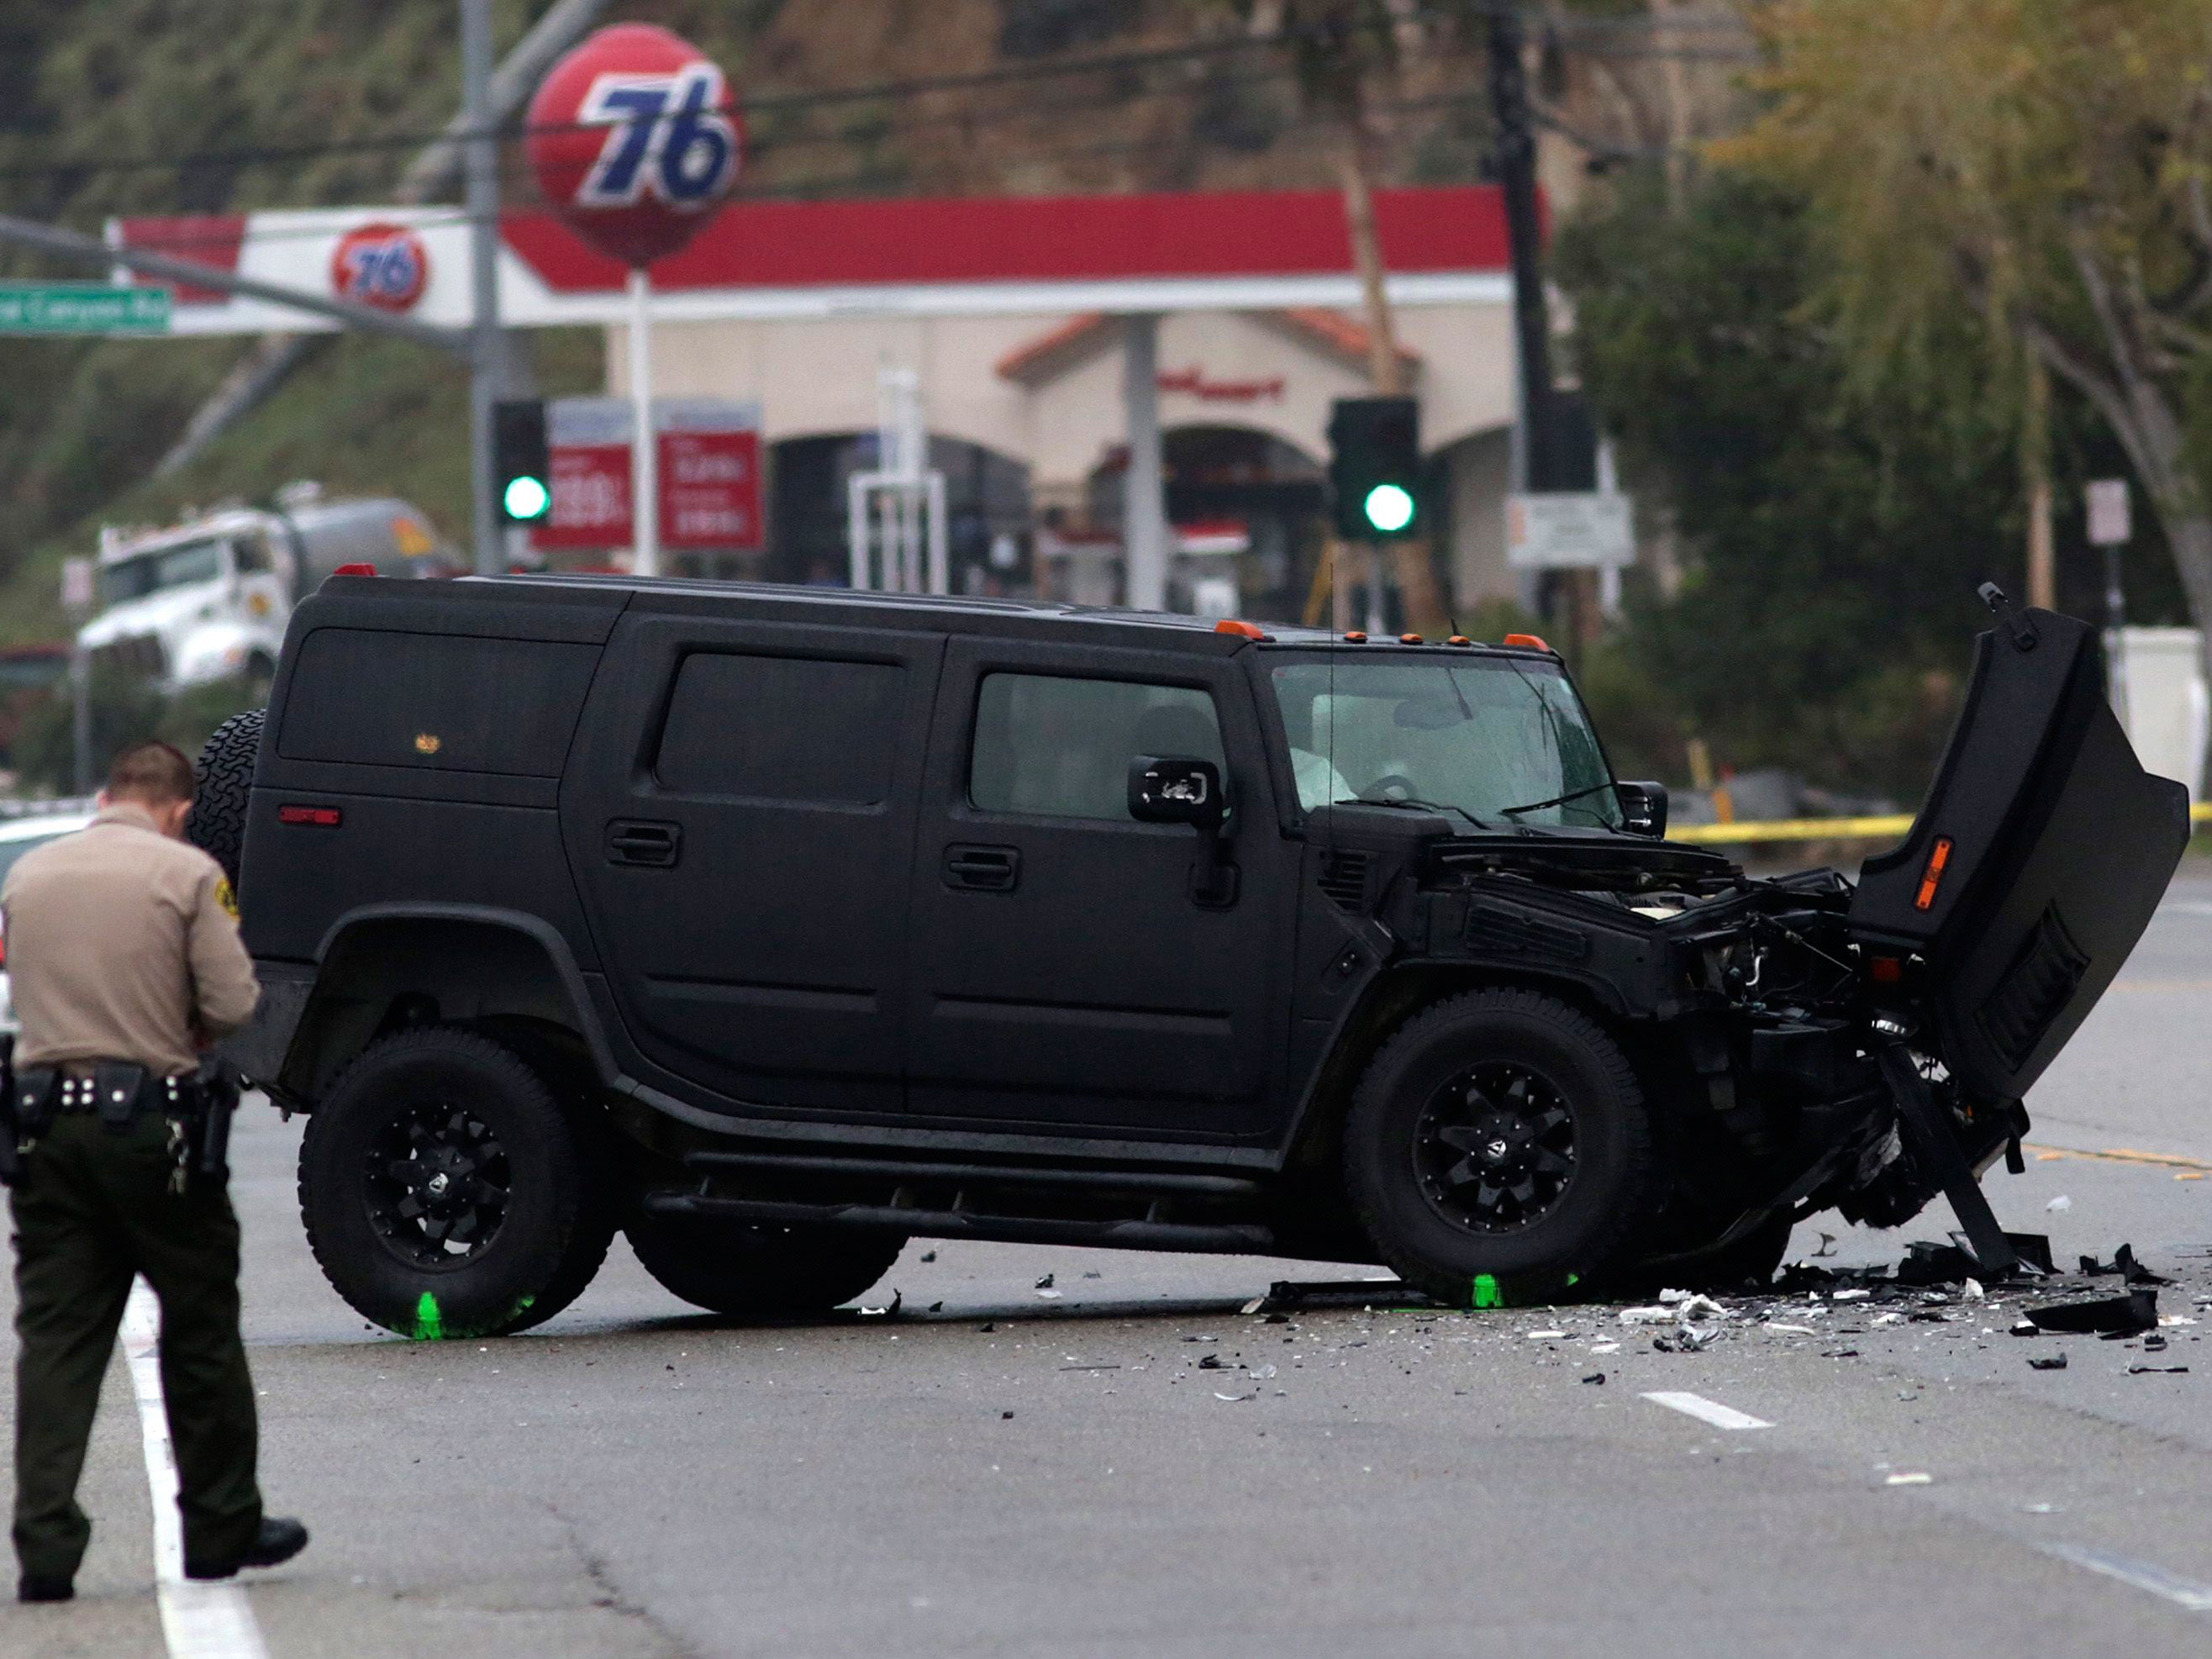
[(1867, 828), (1794, 829)]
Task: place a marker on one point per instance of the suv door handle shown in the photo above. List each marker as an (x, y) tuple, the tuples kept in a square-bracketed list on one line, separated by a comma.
[(982, 869), (643, 842)]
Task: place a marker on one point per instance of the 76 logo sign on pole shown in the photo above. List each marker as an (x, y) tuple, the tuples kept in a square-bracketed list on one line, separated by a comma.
[(671, 138)]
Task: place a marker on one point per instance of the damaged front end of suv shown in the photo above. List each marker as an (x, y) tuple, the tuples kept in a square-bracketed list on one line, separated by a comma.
[(1775, 1047)]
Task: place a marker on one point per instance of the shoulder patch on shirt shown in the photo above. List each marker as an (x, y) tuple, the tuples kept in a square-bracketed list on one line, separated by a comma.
[(225, 897)]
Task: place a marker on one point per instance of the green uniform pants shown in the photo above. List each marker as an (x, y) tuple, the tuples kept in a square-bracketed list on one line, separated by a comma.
[(92, 1209)]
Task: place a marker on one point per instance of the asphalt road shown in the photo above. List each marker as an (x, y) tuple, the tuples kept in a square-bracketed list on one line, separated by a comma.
[(1131, 1464)]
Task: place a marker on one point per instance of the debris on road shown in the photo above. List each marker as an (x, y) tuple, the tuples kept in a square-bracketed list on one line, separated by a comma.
[(2059, 1205), (2055, 1362), (897, 1301), (1912, 1477), (2136, 1310), (1597, 1377), (929, 1255), (2124, 1264), (2139, 1371), (1293, 1296), (1045, 1284)]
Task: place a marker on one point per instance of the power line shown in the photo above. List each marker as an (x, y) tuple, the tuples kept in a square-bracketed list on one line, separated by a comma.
[(1562, 28)]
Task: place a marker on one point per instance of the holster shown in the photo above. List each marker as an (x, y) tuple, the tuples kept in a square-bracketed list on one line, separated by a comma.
[(34, 1097), (214, 1091)]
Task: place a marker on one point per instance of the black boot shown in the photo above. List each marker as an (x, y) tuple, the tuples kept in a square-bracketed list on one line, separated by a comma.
[(37, 1587), (280, 1539)]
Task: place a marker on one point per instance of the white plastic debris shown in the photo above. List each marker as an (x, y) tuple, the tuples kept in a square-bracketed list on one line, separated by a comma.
[(2175, 1319), (1699, 1307), (1604, 1347), (2061, 1202), (1971, 1291), (1852, 1295), (1688, 1309), (1914, 1478), (1795, 1330), (1889, 1319), (1543, 1336), (1647, 1316), (1670, 1297)]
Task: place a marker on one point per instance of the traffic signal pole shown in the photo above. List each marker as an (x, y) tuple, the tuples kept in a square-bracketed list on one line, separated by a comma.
[(486, 358)]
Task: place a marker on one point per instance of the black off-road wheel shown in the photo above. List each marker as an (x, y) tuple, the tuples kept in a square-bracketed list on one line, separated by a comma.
[(1499, 1148), (445, 1192), (223, 774), (749, 1272)]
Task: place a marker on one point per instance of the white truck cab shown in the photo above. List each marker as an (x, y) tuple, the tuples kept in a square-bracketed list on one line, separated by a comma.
[(209, 599)]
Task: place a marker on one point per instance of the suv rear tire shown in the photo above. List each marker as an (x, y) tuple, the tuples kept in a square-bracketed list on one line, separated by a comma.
[(445, 1191), (743, 1270), (1500, 1135), (223, 774)]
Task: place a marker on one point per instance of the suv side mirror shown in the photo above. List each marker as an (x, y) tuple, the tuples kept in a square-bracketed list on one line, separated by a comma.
[(1176, 789), (1644, 809)]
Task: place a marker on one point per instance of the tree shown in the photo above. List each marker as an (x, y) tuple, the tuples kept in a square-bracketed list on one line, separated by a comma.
[(1831, 551), (2045, 168)]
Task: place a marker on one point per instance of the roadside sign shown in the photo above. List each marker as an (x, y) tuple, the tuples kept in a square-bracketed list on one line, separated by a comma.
[(1577, 530), (2108, 512), (76, 584), (83, 308)]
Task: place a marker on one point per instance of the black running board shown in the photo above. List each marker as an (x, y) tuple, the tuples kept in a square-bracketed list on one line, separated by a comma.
[(1162, 1184), (1223, 1239)]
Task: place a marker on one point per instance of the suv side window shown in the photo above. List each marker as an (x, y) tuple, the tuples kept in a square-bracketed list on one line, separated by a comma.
[(253, 553), (781, 728), (1060, 748)]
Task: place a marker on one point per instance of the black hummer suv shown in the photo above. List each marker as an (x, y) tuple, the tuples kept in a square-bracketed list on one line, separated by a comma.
[(773, 927)]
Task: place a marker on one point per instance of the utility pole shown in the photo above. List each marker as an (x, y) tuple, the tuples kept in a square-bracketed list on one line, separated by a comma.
[(486, 359), (1517, 172)]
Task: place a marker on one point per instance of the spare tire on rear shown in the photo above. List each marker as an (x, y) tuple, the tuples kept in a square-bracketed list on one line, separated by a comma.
[(223, 774)]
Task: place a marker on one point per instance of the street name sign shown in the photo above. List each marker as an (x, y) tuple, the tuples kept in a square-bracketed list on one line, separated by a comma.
[(83, 308)]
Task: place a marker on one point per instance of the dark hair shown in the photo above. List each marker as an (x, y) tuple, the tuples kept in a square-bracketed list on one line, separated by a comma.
[(154, 772)]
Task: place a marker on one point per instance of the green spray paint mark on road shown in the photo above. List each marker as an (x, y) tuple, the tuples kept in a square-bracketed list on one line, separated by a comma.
[(1486, 1293), (429, 1324)]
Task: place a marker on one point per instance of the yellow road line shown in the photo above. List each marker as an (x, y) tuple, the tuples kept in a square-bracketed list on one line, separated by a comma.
[(2124, 1155)]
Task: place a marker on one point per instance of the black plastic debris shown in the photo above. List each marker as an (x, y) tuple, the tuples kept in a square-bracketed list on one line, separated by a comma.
[(1291, 1295), (2055, 1362), (936, 1307), (929, 1255), (2124, 1264), (2153, 1342), (2165, 1370), (2025, 1328), (1211, 1363), (2136, 1310), (1045, 1284), (2034, 1248), (1928, 1263), (1597, 1377)]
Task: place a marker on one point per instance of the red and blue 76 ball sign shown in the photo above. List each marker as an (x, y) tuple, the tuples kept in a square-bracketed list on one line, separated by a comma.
[(382, 265), (634, 138)]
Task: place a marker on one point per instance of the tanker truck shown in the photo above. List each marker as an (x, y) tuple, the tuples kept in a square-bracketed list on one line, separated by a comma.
[(208, 599)]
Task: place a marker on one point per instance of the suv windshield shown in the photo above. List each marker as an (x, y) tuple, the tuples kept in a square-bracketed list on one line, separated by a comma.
[(1480, 735), (167, 567)]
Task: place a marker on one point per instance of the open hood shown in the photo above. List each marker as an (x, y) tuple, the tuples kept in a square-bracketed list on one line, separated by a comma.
[(2035, 863)]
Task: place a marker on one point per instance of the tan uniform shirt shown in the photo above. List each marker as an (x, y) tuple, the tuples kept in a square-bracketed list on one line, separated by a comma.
[(119, 948)]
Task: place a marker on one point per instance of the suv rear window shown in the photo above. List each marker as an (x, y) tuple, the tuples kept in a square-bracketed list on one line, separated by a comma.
[(444, 701), (1060, 748), (782, 728)]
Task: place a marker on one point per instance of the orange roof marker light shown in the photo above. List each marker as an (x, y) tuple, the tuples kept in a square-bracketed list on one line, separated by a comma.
[(1356, 637), (1459, 639), (1242, 629), (1409, 639), (1528, 642)]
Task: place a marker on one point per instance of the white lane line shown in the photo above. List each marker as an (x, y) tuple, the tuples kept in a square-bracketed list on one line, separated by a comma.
[(1707, 1411), (210, 1621), (2197, 1598)]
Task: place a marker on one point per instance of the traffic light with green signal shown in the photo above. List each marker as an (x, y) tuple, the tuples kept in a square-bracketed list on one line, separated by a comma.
[(521, 460), (1375, 467)]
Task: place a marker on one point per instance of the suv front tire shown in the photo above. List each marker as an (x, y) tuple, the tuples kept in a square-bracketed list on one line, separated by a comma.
[(1498, 1144)]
